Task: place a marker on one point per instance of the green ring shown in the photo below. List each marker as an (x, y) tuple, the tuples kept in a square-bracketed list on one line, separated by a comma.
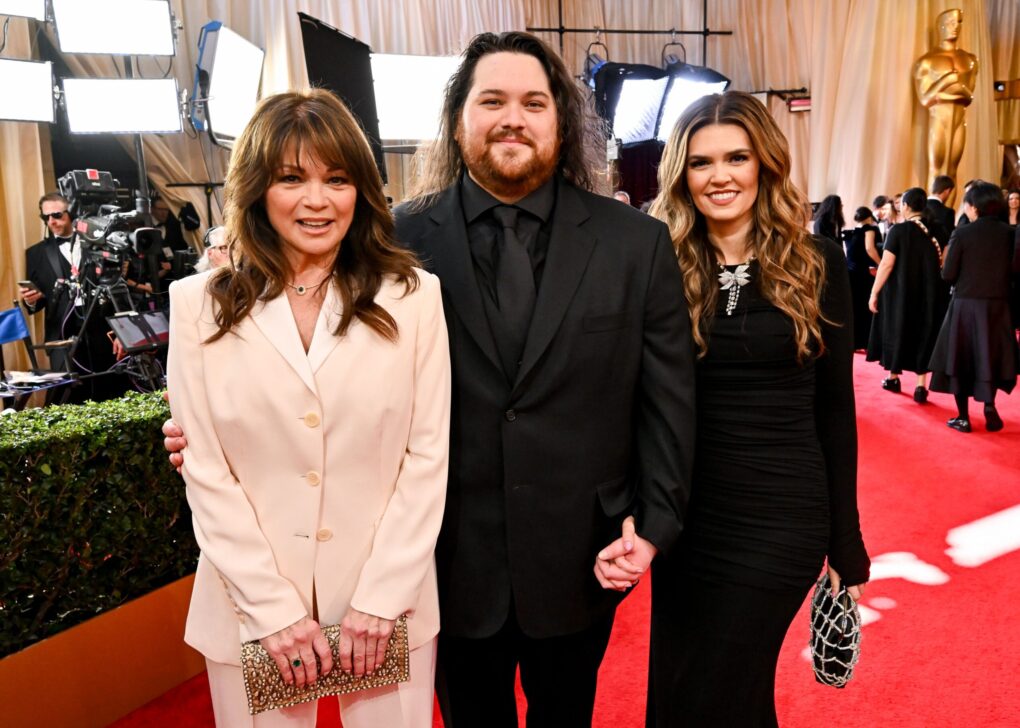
[(296, 662)]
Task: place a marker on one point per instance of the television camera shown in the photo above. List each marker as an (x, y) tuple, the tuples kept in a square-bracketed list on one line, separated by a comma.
[(110, 238)]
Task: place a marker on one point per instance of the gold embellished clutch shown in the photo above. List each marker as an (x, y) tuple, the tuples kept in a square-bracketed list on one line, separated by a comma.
[(267, 690)]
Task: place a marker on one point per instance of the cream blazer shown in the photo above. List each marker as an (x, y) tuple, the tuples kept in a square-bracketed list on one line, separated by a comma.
[(321, 472)]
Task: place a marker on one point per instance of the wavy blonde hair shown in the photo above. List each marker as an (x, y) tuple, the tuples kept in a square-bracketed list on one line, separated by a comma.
[(792, 269), (290, 123)]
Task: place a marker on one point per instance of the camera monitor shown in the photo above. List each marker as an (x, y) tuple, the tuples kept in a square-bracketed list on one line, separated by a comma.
[(145, 331), (117, 27)]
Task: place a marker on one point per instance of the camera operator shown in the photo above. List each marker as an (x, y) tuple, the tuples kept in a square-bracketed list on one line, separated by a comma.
[(138, 275), (49, 265), (53, 265)]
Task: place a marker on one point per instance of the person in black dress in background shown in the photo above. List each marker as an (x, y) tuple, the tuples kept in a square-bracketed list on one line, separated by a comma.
[(908, 298), (829, 220), (776, 456), (862, 255), (976, 351)]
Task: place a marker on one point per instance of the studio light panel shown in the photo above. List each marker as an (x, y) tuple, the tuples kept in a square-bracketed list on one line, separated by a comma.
[(26, 90), (233, 84), (682, 93), (122, 106), (410, 82), (24, 8), (118, 27), (638, 109)]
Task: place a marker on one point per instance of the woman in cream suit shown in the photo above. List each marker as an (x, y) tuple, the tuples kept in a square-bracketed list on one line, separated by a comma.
[(312, 376)]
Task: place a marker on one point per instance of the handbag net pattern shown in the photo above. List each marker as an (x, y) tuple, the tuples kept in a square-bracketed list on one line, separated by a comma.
[(835, 634)]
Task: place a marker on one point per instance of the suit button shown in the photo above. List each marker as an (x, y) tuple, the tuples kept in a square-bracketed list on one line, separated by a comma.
[(312, 419), (510, 415), (323, 535), (313, 478)]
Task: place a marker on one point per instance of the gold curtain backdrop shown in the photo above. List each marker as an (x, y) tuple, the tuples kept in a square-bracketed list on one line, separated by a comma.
[(855, 56)]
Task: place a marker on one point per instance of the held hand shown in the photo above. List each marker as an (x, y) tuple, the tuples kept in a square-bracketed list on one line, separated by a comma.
[(621, 564), (294, 650), (856, 591), (174, 442), (29, 295), (363, 642)]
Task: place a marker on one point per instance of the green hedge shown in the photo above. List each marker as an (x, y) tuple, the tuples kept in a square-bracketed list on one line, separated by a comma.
[(91, 514)]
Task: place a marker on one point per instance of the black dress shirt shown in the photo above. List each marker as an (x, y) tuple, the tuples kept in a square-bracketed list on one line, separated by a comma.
[(533, 229)]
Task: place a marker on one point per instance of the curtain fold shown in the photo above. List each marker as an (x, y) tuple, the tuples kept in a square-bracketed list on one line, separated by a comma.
[(861, 138)]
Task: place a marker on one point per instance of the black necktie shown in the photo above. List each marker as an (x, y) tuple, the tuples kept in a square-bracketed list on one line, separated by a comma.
[(515, 281)]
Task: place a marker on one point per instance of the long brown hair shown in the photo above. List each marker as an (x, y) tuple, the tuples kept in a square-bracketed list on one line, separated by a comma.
[(581, 132), (317, 121), (792, 268)]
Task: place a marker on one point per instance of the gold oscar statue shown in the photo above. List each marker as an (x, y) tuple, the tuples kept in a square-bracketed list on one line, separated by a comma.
[(944, 79)]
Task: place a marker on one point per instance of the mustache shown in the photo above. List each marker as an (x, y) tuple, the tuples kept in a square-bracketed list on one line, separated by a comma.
[(502, 135)]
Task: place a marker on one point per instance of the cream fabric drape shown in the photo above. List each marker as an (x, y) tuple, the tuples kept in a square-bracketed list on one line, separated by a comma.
[(854, 55)]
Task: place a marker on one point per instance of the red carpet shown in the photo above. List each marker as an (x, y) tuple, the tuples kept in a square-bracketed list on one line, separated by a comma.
[(940, 648)]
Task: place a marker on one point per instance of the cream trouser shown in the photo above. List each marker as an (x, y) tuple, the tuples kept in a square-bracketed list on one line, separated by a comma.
[(405, 705)]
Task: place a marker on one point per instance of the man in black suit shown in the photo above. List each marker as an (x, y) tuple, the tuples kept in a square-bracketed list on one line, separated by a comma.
[(941, 188), (573, 387), (49, 264), (52, 264), (573, 400)]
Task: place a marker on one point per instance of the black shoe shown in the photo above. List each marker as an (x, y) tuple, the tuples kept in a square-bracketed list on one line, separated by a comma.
[(920, 395), (891, 385), (959, 424), (993, 423)]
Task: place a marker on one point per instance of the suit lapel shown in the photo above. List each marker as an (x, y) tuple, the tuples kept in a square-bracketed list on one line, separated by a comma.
[(54, 258), (570, 247), (323, 340), (276, 322), (446, 243)]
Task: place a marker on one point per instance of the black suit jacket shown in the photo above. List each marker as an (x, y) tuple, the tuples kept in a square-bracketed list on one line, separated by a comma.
[(980, 259), (944, 216), (599, 423), (44, 266)]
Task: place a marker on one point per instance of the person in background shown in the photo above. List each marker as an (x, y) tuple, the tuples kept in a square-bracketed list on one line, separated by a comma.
[(976, 351), (623, 196), (908, 298), (941, 188), (776, 446), (829, 219), (963, 219), (898, 208), (882, 211), (314, 380), (217, 250), (861, 258), (1013, 207)]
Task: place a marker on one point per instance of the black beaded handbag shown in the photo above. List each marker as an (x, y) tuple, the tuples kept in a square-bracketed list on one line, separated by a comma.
[(835, 634)]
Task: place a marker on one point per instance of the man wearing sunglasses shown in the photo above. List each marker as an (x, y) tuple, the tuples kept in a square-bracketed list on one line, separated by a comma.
[(47, 264)]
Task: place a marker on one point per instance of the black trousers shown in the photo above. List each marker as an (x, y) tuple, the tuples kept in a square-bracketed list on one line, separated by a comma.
[(475, 678)]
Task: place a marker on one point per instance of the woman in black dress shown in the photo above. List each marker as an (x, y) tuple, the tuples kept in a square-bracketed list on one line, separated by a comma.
[(976, 351), (861, 256), (829, 219), (776, 462), (908, 298)]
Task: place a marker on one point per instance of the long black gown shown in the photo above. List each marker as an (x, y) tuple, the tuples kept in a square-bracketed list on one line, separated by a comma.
[(859, 264), (774, 493)]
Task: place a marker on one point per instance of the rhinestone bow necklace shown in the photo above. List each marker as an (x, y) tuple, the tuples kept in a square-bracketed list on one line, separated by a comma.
[(733, 281)]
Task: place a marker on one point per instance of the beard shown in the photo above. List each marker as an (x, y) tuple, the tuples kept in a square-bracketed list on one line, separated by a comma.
[(505, 174)]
